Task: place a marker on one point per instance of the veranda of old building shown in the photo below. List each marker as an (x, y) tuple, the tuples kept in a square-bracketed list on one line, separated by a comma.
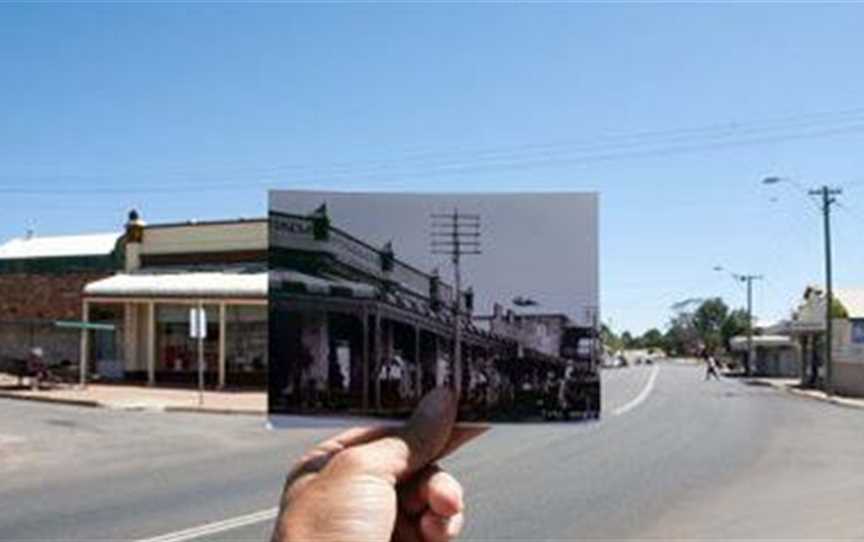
[(341, 310), (170, 269)]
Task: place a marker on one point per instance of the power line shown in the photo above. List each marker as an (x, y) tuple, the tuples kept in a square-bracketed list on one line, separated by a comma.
[(505, 159)]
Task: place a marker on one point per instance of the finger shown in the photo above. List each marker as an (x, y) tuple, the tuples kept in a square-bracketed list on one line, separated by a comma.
[(435, 528), (460, 435), (317, 458), (435, 490), (360, 435), (407, 529), (396, 457)]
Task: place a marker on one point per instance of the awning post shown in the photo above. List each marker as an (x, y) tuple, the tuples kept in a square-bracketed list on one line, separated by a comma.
[(151, 344), (418, 364), (365, 316), (222, 330), (85, 345), (376, 360)]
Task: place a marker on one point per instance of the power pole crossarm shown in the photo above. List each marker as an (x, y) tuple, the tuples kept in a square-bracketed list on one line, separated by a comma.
[(456, 235)]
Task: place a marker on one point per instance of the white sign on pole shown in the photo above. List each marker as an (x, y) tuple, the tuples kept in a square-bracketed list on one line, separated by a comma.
[(197, 323)]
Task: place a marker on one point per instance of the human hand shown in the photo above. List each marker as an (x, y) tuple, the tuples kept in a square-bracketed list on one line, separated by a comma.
[(379, 484)]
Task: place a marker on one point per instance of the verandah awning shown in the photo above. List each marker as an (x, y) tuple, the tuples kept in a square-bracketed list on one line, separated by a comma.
[(191, 284), (295, 281)]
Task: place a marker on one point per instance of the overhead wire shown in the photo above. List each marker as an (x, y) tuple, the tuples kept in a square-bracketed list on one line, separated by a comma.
[(639, 145)]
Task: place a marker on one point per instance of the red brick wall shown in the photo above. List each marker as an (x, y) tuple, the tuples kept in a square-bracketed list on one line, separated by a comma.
[(27, 296)]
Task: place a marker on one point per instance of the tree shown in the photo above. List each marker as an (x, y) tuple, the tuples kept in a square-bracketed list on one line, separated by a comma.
[(681, 337), (627, 340), (653, 338), (734, 324), (609, 339), (708, 321), (837, 309)]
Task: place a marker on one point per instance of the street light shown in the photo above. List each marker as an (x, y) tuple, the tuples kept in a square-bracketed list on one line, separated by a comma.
[(828, 198), (749, 280)]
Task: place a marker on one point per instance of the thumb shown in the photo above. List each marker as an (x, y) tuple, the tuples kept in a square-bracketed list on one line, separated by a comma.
[(410, 448)]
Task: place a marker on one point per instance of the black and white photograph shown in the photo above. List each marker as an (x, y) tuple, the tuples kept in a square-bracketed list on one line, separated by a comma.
[(377, 298)]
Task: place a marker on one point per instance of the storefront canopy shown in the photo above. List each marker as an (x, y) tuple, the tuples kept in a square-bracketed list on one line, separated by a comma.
[(297, 282), (739, 342), (191, 284)]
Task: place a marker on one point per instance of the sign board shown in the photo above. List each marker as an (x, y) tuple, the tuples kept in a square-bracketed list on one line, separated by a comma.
[(84, 325), (197, 323)]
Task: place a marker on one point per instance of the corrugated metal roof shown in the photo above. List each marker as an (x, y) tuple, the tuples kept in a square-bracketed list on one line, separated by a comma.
[(97, 244), (194, 284)]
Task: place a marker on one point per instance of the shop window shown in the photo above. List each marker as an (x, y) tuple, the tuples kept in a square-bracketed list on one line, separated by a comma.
[(175, 351), (246, 338)]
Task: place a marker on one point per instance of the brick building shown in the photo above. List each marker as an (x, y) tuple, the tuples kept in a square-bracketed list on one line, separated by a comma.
[(41, 279), (142, 282)]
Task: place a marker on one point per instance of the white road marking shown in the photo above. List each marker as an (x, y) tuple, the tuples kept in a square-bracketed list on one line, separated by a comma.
[(270, 513), (639, 399), (215, 527)]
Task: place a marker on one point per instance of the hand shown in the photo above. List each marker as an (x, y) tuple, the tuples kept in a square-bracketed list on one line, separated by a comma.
[(379, 484)]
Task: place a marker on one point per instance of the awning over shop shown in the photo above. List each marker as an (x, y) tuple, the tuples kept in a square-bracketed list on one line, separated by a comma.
[(191, 284), (739, 343), (295, 281)]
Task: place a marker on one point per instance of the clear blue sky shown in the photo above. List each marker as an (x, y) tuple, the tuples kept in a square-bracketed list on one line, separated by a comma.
[(192, 111)]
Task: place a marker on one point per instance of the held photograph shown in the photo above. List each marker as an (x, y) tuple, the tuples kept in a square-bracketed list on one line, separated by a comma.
[(375, 299)]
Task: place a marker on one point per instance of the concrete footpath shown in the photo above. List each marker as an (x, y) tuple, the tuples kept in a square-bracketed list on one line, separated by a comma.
[(793, 386), (126, 397)]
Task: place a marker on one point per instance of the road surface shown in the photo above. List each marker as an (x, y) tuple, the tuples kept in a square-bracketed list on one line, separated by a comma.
[(672, 457)]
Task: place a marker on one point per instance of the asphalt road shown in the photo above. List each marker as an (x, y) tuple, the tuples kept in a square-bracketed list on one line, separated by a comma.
[(672, 457)]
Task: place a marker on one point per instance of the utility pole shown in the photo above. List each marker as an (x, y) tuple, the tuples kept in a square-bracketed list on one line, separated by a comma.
[(828, 198), (456, 235), (748, 279)]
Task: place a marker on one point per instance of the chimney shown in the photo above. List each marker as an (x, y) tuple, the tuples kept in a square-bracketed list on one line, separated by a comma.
[(321, 223), (134, 238)]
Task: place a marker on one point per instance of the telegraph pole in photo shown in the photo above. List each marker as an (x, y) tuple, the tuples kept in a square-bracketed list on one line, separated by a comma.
[(456, 235)]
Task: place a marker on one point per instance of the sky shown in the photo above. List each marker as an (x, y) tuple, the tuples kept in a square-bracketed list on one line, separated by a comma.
[(672, 112), (538, 246)]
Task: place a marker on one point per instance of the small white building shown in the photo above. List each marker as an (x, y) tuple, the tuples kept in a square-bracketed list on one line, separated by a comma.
[(807, 328)]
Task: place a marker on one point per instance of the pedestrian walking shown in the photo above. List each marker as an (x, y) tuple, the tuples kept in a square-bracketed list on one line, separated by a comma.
[(711, 368)]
